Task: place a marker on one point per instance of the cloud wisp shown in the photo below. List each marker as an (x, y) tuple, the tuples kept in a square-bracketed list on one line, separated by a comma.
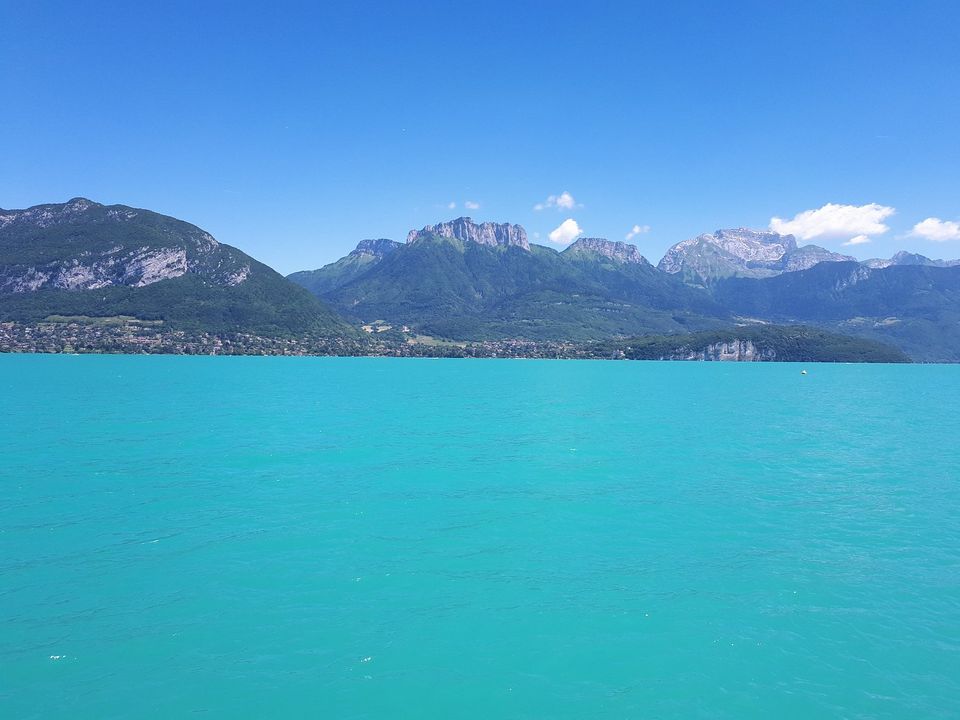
[(563, 201), (833, 221), (636, 230), (566, 232), (471, 205), (936, 230), (858, 240)]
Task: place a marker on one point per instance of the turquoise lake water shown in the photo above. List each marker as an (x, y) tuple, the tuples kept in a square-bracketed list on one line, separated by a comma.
[(384, 538)]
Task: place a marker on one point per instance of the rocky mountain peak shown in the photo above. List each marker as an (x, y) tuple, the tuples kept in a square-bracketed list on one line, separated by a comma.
[(49, 214), (465, 229), (742, 252), (908, 258), (79, 204), (378, 248), (615, 250), (755, 245)]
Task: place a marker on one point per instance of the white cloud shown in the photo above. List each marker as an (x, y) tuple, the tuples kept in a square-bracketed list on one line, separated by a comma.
[(937, 230), (471, 205), (835, 221), (637, 230), (566, 232), (858, 240), (452, 205), (563, 201)]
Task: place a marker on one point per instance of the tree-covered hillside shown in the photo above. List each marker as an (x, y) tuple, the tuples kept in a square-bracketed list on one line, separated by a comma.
[(795, 343), (464, 290), (86, 259), (915, 307)]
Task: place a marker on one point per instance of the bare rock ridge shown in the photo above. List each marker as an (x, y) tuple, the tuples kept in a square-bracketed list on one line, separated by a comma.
[(619, 252), (465, 229), (907, 258), (378, 248), (43, 216), (130, 247), (742, 252), (729, 350)]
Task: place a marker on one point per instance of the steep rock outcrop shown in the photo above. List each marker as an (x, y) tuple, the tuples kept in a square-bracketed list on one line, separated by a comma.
[(465, 229), (618, 252), (729, 351), (378, 248), (742, 252), (83, 245)]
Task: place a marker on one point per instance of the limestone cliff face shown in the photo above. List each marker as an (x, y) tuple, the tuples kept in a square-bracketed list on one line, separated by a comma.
[(465, 229), (378, 248), (619, 252), (732, 350), (83, 245), (742, 252), (137, 268)]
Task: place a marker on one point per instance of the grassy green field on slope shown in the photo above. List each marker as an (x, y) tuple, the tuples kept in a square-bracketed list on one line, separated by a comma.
[(467, 291), (795, 343)]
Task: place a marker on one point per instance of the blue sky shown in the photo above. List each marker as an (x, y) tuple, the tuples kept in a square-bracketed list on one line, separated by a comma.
[(294, 130)]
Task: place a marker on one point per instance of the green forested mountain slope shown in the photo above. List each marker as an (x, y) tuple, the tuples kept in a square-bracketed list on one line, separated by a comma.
[(792, 343), (915, 307), (84, 258), (467, 290), (337, 274)]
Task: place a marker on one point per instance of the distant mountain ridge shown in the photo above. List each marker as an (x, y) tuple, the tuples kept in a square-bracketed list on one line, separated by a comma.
[(742, 252), (907, 258)]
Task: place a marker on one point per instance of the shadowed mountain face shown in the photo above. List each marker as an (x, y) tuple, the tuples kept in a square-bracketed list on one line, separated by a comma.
[(914, 307), (741, 253), (84, 258)]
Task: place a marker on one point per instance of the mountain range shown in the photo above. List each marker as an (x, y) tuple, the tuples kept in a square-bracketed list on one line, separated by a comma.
[(466, 282), (742, 253)]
